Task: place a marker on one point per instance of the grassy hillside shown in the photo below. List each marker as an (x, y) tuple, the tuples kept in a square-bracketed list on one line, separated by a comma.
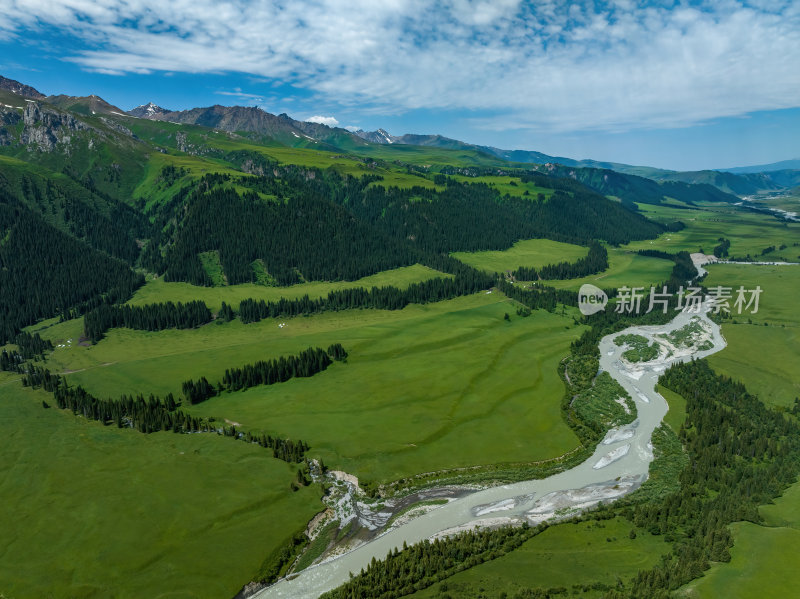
[(91, 511), (624, 268), (418, 382), (749, 232), (530, 252), (762, 348), (158, 290)]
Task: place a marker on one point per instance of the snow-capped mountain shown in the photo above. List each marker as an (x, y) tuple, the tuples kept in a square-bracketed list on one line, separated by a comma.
[(149, 111)]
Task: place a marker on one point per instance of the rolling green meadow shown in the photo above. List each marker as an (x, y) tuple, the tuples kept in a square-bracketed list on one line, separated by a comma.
[(158, 290), (624, 268), (418, 384), (506, 185), (95, 511), (749, 233), (91, 511), (529, 252), (763, 347)]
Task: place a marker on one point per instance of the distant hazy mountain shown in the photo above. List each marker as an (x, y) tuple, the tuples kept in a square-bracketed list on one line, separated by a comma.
[(741, 181), (15, 87), (783, 165), (381, 136), (633, 188)]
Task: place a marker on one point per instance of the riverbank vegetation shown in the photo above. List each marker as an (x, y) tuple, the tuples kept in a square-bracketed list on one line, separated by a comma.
[(721, 482), (640, 349)]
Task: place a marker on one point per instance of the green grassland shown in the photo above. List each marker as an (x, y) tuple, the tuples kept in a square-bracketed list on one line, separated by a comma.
[(507, 185), (763, 558), (562, 556), (780, 285), (624, 268), (157, 290), (435, 386), (213, 267), (343, 164), (763, 357), (154, 191), (529, 252), (677, 408), (316, 155), (94, 511), (748, 232), (429, 156)]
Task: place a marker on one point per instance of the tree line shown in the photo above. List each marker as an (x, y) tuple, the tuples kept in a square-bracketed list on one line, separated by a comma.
[(11, 361), (380, 298), (102, 222), (303, 235), (419, 566), (29, 346), (148, 415), (594, 262), (150, 317), (265, 372), (721, 251), (538, 297)]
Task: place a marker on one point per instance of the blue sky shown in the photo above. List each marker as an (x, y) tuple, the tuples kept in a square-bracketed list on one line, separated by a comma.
[(683, 85)]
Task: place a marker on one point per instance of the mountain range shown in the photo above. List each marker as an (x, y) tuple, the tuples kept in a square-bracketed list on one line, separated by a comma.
[(737, 181), (258, 124), (224, 195)]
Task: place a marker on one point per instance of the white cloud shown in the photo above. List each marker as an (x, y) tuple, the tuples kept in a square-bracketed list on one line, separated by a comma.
[(547, 65), (323, 120), (242, 96), (352, 128)]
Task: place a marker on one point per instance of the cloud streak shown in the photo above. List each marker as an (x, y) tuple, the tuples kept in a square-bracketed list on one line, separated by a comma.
[(242, 96), (549, 66)]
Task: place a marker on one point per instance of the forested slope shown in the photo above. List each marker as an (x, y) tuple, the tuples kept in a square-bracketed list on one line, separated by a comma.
[(325, 226), (44, 272)]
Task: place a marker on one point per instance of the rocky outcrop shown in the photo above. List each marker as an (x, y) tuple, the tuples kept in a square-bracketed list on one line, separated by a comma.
[(180, 140), (9, 117), (111, 124), (45, 128)]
